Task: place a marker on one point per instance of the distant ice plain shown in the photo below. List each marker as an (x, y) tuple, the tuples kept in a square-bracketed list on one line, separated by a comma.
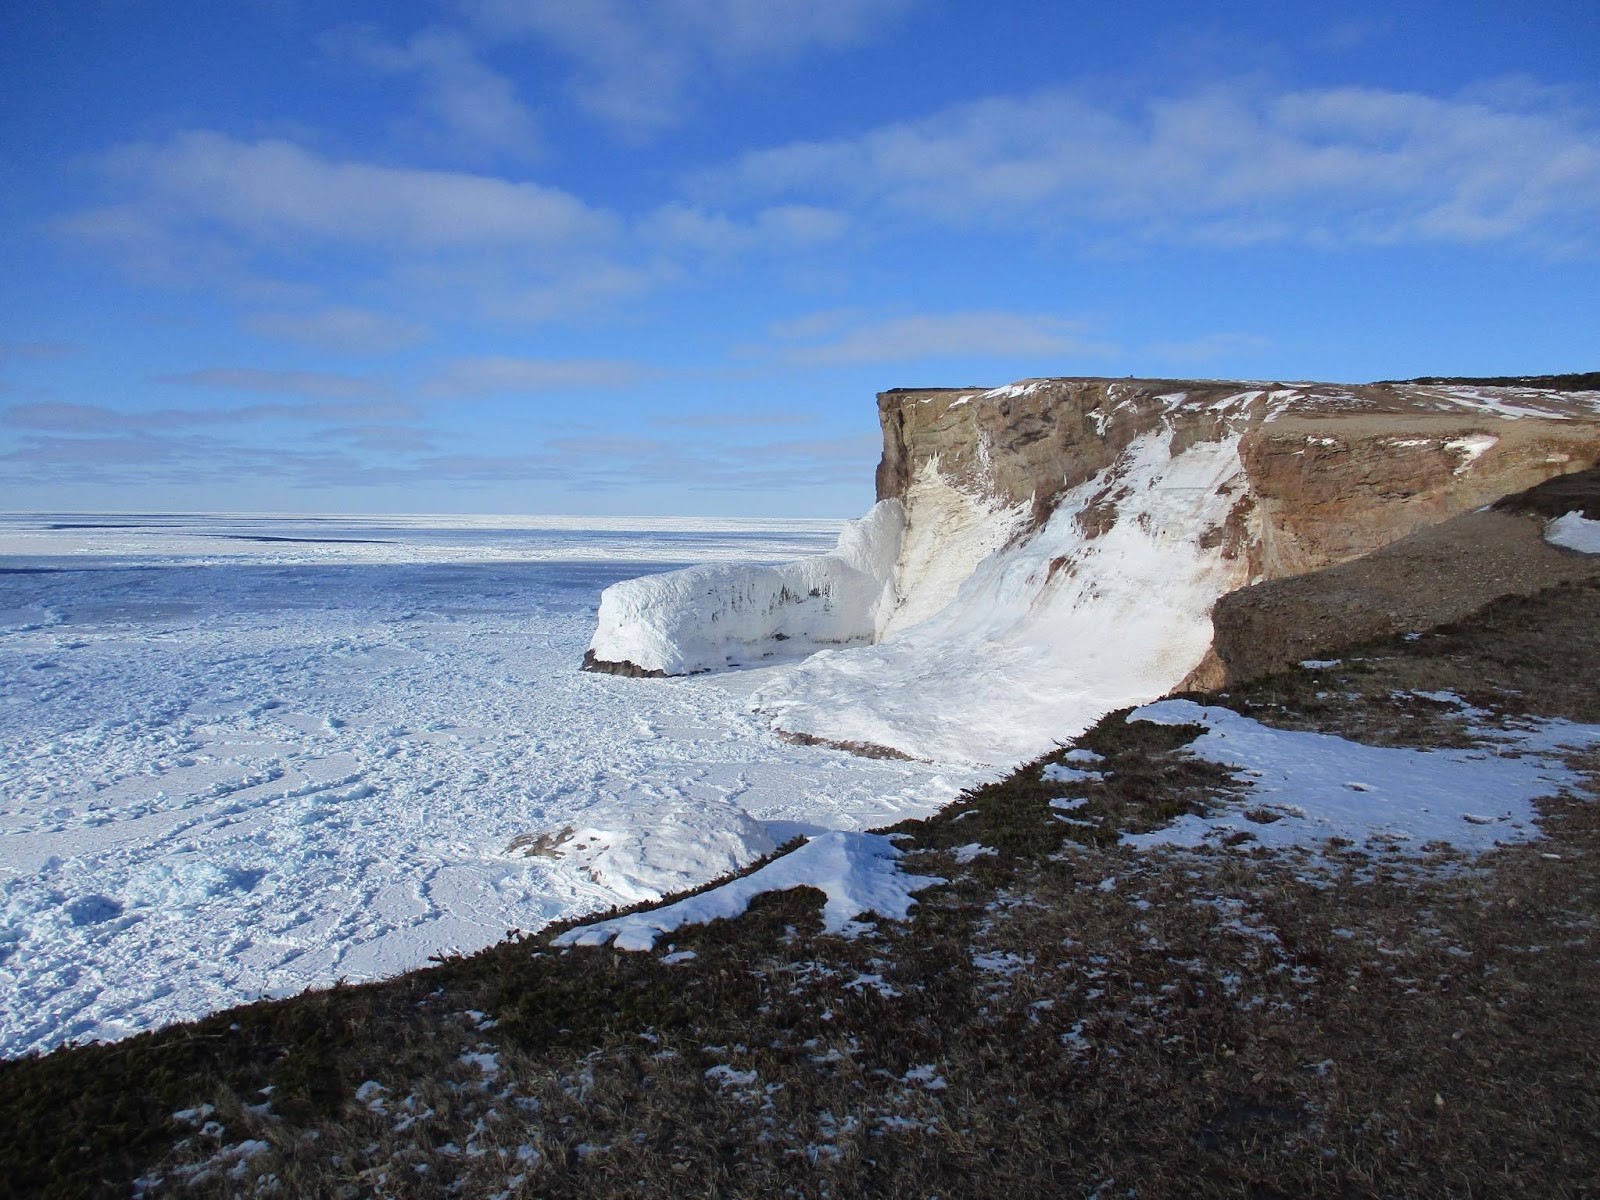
[(244, 755)]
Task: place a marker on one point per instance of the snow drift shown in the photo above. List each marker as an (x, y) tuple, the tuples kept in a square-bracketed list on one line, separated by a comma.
[(1047, 633)]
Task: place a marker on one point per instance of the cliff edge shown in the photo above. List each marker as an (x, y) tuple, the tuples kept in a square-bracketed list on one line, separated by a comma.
[(1050, 550)]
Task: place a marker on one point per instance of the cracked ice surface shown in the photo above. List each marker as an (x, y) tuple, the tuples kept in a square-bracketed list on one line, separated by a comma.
[(243, 756)]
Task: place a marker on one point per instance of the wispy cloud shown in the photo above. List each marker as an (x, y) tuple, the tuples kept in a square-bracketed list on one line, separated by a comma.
[(351, 457), (93, 418), (461, 95), (639, 63), (276, 191), (1210, 347), (39, 351), (731, 421), (1227, 167), (938, 335), (500, 375), (283, 383), (343, 330)]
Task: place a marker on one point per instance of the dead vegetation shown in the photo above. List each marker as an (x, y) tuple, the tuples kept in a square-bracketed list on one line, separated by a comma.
[(1063, 1016)]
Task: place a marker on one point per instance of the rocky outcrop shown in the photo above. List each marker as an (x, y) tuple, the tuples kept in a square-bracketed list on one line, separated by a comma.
[(1064, 540), (1438, 574)]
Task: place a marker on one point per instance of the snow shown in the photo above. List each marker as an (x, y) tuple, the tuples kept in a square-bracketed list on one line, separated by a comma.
[(1304, 788), (858, 872), (235, 768), (953, 532), (1042, 637), (1470, 449), (1574, 532), (1514, 403), (719, 615), (1057, 773)]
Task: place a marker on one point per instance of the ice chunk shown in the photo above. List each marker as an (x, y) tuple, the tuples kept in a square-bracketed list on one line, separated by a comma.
[(725, 614)]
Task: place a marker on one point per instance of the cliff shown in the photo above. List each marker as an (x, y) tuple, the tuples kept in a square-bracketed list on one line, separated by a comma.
[(1058, 544)]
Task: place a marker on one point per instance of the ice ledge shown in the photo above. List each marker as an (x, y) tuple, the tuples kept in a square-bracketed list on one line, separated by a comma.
[(710, 617)]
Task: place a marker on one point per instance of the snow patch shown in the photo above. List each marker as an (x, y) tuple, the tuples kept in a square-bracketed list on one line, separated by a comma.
[(858, 872), (1305, 788), (1574, 532), (640, 854), (953, 531), (1470, 449)]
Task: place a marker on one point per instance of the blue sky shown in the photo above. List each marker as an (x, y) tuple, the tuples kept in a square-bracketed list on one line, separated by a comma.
[(611, 257)]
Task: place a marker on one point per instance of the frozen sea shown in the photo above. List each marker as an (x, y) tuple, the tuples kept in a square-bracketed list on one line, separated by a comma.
[(245, 755)]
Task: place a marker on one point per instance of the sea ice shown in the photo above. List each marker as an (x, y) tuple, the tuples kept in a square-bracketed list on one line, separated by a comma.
[(244, 756)]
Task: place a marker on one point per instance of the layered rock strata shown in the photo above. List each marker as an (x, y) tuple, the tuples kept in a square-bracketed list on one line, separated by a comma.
[(1061, 543)]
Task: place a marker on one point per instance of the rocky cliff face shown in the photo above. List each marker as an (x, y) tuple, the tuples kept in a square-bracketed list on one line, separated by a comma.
[(1330, 472), (1064, 540)]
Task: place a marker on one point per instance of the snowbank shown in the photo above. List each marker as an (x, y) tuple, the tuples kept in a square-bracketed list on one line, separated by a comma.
[(857, 871), (1574, 532), (638, 853), (1097, 610), (726, 614), (1307, 787)]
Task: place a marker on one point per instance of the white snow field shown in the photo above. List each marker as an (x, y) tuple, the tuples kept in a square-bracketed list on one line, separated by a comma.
[(242, 756)]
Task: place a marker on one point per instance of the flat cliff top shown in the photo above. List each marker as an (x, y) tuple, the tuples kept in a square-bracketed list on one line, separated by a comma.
[(1545, 397)]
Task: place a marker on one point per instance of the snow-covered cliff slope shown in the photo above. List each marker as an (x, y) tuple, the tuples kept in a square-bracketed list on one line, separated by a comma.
[(1058, 546)]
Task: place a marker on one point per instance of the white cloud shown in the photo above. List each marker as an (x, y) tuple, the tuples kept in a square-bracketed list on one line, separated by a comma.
[(42, 351), (466, 98), (341, 330), (638, 62), (320, 384), (943, 335), (499, 375), (1228, 167), (274, 190)]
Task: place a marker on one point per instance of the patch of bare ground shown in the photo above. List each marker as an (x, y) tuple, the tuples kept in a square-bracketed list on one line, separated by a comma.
[(1063, 1016)]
